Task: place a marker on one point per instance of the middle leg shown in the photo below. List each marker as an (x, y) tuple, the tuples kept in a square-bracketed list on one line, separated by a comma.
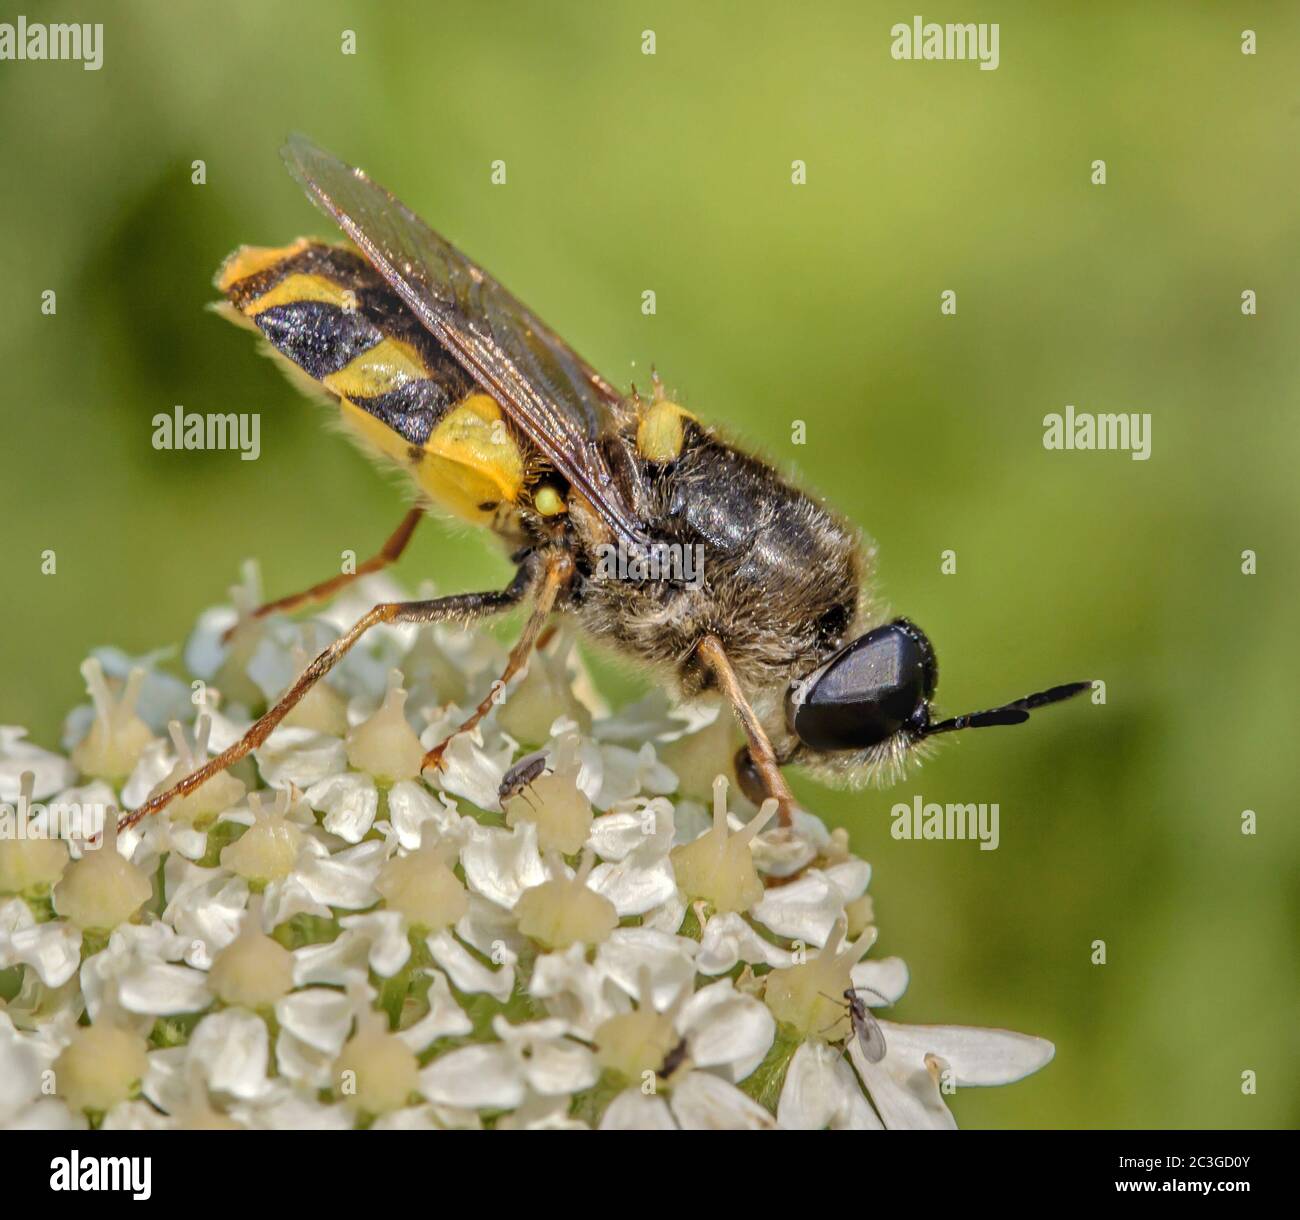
[(556, 574)]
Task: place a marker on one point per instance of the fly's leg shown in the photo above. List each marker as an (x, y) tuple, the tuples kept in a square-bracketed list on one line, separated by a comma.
[(464, 606), (556, 574), (388, 554), (761, 755)]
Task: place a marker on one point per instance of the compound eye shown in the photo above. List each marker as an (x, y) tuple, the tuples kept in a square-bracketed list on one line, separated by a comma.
[(867, 692)]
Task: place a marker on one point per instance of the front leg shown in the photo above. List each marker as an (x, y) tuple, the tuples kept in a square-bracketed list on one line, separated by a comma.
[(761, 755)]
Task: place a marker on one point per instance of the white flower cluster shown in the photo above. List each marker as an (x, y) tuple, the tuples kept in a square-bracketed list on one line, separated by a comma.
[(325, 937)]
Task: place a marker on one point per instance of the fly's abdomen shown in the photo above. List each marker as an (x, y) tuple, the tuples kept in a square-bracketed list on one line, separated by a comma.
[(328, 313)]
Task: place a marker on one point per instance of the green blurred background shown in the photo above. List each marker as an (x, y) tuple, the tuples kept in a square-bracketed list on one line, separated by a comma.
[(820, 302)]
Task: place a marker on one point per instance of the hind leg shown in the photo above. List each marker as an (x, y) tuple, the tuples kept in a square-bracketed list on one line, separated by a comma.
[(388, 554), (464, 606)]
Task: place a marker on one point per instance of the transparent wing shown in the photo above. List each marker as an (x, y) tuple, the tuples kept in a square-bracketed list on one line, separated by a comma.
[(871, 1038), (549, 392)]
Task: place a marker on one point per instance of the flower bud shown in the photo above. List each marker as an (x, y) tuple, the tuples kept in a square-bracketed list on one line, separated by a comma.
[(566, 911), (808, 996), (377, 1070), (101, 1066), (423, 888), (555, 804), (268, 849), (117, 737), (213, 796), (103, 888), (254, 970), (718, 866), (30, 865), (385, 745)]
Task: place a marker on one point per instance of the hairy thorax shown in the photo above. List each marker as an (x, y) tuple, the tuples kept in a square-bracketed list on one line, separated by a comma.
[(767, 569)]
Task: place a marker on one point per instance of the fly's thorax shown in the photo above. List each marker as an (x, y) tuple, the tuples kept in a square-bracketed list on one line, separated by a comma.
[(747, 557)]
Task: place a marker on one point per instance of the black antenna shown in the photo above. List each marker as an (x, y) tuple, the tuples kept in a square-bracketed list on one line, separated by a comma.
[(1008, 713)]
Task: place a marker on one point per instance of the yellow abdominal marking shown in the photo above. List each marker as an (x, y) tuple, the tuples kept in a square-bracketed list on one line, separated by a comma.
[(302, 287), (470, 464), (249, 260), (660, 434), (387, 366)]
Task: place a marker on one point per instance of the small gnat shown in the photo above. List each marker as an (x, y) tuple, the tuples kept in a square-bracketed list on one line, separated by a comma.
[(189, 430), (956, 40), (930, 820), (25, 39), (1084, 430)]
